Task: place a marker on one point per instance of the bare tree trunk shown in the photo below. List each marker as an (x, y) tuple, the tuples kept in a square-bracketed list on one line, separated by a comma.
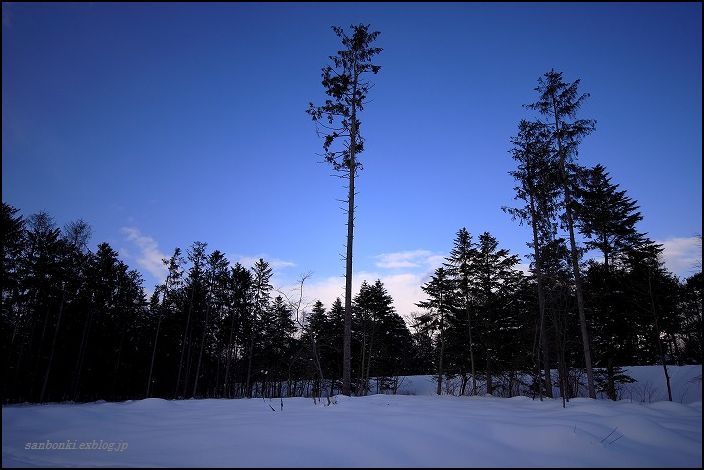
[(657, 334), (369, 362), (151, 366), (229, 355), (442, 348), (471, 346), (53, 345), (82, 352), (347, 341), (202, 343), (185, 336), (575, 260), (248, 385), (541, 300)]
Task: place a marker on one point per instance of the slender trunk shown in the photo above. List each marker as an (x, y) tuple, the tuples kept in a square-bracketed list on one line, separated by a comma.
[(657, 334), (471, 345), (541, 301), (442, 347), (347, 341), (82, 352), (53, 346), (183, 345), (560, 354), (205, 335), (156, 337), (229, 355), (361, 366), (314, 346), (575, 260), (369, 361), (610, 379), (248, 385), (118, 362), (200, 354), (151, 366)]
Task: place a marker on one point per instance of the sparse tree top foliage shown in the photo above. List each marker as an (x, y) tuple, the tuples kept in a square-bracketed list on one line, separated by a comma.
[(561, 101), (347, 89)]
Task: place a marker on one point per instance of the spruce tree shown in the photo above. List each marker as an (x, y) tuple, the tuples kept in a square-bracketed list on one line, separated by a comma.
[(461, 267), (606, 216), (347, 88), (497, 282), (538, 185), (560, 102), (440, 303)]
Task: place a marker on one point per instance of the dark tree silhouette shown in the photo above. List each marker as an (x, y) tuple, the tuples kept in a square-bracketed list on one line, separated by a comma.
[(561, 101), (347, 88)]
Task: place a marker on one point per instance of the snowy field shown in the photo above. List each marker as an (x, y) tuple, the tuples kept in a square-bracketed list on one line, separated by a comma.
[(418, 430)]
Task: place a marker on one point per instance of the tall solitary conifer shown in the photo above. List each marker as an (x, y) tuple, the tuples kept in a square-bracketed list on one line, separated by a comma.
[(347, 89)]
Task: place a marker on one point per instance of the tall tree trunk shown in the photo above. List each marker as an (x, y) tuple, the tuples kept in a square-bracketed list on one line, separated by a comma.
[(151, 365), (248, 385), (347, 341), (229, 355), (183, 345), (53, 346), (541, 300), (369, 362), (471, 346), (442, 348), (575, 260), (82, 352), (202, 343), (661, 350), (156, 337)]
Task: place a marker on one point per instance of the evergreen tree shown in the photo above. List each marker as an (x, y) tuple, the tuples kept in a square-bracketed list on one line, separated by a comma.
[(561, 101), (654, 294), (194, 284), (461, 267), (347, 88), (238, 319), (173, 278), (497, 282), (690, 309), (261, 290), (606, 216), (537, 187), (439, 305)]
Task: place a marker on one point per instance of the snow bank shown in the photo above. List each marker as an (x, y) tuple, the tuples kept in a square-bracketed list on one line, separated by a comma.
[(649, 387), (373, 431)]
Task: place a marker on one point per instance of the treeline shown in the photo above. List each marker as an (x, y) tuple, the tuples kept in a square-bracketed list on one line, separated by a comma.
[(487, 319), (77, 326)]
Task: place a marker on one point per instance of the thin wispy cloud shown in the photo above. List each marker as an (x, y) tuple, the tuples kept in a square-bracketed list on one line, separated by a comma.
[(274, 263), (682, 255), (149, 256), (409, 259)]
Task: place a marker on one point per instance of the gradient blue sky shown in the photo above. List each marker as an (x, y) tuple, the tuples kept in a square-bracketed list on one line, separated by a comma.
[(162, 124)]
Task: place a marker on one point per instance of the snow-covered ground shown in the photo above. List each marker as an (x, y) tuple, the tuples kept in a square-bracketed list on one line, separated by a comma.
[(418, 430), (649, 385)]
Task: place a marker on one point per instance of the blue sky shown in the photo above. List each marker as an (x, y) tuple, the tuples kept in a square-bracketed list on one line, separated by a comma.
[(162, 124)]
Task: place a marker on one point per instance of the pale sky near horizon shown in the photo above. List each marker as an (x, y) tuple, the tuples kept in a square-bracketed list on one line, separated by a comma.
[(163, 124)]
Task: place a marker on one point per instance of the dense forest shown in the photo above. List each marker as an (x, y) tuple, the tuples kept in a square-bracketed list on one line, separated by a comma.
[(77, 324)]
